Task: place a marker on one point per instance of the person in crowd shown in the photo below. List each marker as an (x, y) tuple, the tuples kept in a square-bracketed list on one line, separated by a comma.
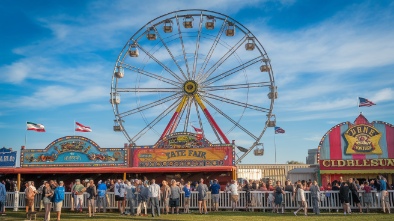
[(101, 196), (386, 202), (48, 194), (299, 196), (8, 185), (130, 190), (3, 197), (315, 194), (154, 197), (78, 190), (344, 197), (92, 193), (187, 192), (367, 195), (234, 194), (58, 199), (143, 197), (215, 190), (30, 193), (263, 187), (53, 184), (202, 190), (119, 191), (165, 196), (289, 187), (355, 197), (111, 189), (246, 189), (383, 191), (175, 195), (278, 196), (40, 191)]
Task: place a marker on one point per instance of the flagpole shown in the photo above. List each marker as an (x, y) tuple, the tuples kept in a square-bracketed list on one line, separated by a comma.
[(25, 133), (275, 146), (358, 105), (74, 127)]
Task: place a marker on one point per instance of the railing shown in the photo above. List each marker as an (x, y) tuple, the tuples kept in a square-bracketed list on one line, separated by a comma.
[(259, 200)]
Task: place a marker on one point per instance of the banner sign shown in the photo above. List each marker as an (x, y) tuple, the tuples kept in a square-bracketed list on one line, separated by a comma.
[(73, 151), (363, 139), (7, 157), (211, 156), (182, 140), (357, 164)]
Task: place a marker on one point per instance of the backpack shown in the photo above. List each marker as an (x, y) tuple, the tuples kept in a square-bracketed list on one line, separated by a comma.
[(30, 193)]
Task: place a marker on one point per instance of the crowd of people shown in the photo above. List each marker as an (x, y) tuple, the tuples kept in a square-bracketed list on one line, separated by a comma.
[(134, 196)]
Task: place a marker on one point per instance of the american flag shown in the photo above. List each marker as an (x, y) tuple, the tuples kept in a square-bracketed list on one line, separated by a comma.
[(279, 130), (363, 102)]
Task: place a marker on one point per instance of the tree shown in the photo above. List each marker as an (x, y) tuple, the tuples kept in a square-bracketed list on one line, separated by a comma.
[(294, 162)]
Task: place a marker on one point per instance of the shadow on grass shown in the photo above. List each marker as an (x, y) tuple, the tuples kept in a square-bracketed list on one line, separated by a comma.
[(211, 216)]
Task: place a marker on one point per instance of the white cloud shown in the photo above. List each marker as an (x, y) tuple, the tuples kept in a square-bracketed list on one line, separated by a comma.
[(53, 96), (386, 94)]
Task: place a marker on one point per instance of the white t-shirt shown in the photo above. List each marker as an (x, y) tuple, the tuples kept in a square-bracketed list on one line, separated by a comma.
[(234, 189)]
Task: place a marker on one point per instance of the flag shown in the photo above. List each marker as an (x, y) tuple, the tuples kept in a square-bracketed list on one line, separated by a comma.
[(199, 133), (363, 102), (279, 130), (35, 127), (82, 128)]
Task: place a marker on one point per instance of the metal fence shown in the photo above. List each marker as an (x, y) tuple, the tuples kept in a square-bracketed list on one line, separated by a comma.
[(259, 200)]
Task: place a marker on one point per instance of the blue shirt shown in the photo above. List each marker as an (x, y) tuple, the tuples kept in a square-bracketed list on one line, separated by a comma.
[(383, 185), (187, 191), (101, 189), (215, 188), (59, 194)]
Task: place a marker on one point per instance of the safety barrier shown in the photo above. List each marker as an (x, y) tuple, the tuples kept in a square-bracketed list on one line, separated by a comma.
[(258, 200)]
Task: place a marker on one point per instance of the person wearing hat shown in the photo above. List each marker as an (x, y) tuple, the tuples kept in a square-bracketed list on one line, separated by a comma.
[(58, 199), (78, 190)]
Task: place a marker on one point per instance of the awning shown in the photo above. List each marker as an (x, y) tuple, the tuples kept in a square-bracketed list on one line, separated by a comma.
[(76, 170)]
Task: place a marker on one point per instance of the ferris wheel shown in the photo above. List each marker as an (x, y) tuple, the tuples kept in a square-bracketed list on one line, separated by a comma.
[(192, 70)]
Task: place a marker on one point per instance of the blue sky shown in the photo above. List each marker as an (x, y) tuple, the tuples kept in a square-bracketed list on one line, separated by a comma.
[(57, 60)]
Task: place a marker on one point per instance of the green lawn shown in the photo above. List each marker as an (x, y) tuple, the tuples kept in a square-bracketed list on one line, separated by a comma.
[(222, 216)]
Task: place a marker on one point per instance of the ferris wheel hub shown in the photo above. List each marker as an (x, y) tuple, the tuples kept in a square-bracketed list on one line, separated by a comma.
[(190, 87)]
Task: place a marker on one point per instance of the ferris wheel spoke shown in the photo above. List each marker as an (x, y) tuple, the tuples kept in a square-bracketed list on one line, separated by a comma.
[(187, 117), (156, 120), (176, 121), (234, 102), (140, 90), (230, 119), (235, 86), (211, 50), (183, 46), (210, 119), (199, 117), (170, 53), (211, 124), (151, 75), (232, 71), (197, 48), (224, 58), (150, 105), (160, 63)]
